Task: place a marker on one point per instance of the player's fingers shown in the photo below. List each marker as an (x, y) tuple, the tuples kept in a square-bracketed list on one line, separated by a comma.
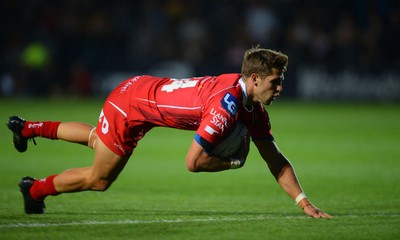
[(321, 214), (326, 215)]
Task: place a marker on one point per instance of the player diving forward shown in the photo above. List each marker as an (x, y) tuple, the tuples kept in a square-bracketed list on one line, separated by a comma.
[(210, 105)]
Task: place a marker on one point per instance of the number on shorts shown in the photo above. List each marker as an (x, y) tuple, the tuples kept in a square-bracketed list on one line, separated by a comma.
[(104, 123)]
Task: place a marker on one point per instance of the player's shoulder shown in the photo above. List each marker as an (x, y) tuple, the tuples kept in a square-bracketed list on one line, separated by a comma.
[(229, 77), (229, 82)]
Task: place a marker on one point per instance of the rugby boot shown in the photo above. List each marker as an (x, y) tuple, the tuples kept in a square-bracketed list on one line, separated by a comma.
[(31, 206), (16, 124)]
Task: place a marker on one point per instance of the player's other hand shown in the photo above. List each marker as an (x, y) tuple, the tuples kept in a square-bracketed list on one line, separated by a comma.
[(315, 212)]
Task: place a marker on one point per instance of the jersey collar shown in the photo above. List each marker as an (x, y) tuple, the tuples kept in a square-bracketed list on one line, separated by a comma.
[(245, 97)]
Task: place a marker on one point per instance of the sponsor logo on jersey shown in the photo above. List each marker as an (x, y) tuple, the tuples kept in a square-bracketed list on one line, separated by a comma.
[(210, 130), (229, 103), (218, 119)]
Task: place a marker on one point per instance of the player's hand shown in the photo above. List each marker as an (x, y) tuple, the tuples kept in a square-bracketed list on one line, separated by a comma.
[(315, 212)]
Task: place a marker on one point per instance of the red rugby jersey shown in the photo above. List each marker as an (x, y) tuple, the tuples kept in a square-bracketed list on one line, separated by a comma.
[(211, 105)]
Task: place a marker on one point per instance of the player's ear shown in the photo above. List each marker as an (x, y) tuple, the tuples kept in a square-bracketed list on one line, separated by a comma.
[(254, 79)]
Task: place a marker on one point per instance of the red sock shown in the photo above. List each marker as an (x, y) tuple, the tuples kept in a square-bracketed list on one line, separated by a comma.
[(43, 188), (45, 129)]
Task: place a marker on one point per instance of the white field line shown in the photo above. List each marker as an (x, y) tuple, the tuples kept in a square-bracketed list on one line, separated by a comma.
[(180, 220), (135, 222)]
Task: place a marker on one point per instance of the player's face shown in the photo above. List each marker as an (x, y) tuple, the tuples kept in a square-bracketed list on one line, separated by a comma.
[(269, 88)]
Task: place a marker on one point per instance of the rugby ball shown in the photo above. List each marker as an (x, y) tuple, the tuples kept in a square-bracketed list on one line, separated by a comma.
[(230, 146)]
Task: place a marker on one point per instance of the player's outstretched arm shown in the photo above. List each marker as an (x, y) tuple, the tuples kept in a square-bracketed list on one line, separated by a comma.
[(284, 173), (288, 180)]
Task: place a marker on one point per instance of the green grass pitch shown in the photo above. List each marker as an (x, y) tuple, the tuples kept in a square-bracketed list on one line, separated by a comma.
[(347, 157)]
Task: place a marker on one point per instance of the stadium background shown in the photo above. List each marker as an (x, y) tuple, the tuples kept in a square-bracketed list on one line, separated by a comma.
[(342, 49)]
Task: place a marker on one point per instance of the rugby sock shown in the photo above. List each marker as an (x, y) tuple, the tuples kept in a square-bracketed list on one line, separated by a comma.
[(45, 129), (43, 187)]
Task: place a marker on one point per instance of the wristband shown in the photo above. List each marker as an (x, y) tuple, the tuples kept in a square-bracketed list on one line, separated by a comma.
[(300, 197)]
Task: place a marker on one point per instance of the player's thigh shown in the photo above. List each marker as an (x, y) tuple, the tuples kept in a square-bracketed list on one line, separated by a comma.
[(107, 165)]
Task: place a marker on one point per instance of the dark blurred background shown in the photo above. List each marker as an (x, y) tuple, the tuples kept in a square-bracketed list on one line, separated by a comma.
[(338, 50)]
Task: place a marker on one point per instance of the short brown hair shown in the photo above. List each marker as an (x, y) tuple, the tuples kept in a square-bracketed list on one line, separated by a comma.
[(261, 61)]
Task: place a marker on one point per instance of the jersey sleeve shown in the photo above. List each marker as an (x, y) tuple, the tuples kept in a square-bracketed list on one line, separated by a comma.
[(219, 117)]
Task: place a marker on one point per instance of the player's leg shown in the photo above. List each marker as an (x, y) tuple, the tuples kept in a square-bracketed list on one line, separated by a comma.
[(24, 130), (114, 131), (77, 132), (105, 169)]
